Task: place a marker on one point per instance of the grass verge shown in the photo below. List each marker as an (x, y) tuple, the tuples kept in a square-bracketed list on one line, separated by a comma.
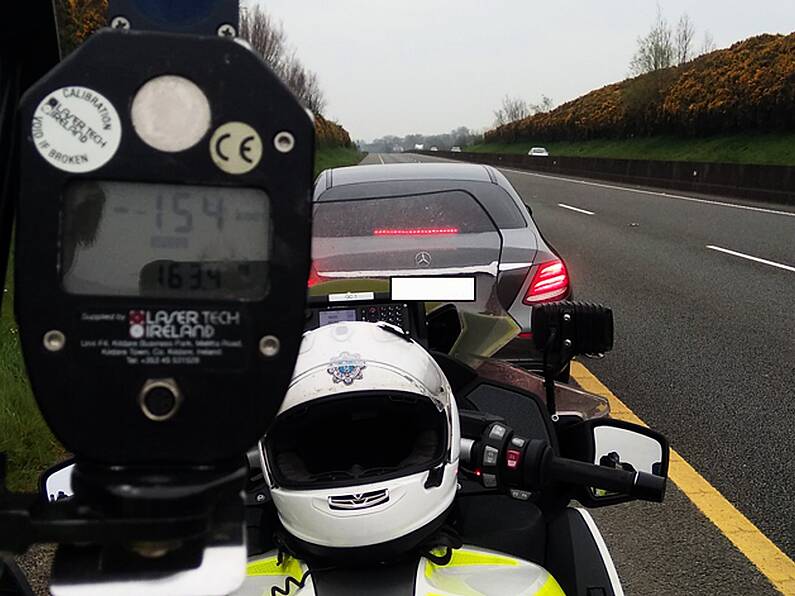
[(333, 157), (24, 435), (771, 148)]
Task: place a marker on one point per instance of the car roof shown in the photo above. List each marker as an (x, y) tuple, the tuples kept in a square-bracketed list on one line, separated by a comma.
[(408, 171)]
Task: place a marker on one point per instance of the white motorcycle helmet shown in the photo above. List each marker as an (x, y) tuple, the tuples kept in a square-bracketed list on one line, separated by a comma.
[(362, 458)]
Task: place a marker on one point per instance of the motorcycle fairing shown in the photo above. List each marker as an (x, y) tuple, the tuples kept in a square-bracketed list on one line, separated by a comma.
[(477, 572), (471, 572), (577, 555)]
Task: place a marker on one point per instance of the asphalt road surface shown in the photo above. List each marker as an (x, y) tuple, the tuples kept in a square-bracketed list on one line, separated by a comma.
[(703, 295)]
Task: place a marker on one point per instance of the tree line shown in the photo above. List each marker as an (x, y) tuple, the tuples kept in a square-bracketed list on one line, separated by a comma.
[(665, 45), (516, 108), (458, 137), (77, 19), (267, 37), (662, 47)]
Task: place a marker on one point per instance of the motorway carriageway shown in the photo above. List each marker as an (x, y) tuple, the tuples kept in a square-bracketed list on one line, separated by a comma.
[(703, 292)]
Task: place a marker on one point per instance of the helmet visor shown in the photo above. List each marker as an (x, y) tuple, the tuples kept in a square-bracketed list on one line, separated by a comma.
[(357, 438)]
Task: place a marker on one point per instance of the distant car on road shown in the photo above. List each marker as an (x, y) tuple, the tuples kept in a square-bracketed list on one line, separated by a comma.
[(437, 219), (456, 149), (538, 152), (434, 148)]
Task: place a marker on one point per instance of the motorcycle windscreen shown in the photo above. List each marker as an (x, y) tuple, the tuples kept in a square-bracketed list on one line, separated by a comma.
[(360, 244)]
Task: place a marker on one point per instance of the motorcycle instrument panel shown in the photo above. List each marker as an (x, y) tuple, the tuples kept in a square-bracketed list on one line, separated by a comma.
[(390, 312)]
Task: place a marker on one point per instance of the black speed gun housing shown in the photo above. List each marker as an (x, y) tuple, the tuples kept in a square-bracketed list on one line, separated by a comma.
[(162, 243), (162, 249)]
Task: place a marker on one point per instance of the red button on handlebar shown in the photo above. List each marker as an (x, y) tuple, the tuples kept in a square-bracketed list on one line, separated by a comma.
[(512, 458)]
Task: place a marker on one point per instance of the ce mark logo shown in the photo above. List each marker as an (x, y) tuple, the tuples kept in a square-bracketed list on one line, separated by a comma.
[(236, 148)]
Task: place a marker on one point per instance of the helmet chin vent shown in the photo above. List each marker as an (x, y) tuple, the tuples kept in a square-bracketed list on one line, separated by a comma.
[(358, 501), (435, 477)]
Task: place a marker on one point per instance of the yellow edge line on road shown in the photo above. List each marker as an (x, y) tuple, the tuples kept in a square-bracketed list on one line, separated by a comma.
[(757, 548)]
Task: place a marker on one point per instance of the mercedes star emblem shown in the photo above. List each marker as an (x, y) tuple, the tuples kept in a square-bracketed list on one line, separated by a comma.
[(423, 259)]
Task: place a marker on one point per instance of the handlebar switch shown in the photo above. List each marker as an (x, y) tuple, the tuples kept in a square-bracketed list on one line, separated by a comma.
[(490, 456), (497, 432), (520, 495), (513, 459), (486, 455), (489, 480)]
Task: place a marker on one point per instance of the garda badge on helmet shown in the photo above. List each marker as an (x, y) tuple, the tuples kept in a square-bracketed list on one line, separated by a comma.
[(346, 368)]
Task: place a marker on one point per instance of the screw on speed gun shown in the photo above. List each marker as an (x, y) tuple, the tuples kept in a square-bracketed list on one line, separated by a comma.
[(162, 250)]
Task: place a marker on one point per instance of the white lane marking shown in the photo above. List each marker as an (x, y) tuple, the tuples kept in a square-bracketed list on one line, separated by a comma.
[(381, 158), (577, 209), (751, 258), (658, 194)]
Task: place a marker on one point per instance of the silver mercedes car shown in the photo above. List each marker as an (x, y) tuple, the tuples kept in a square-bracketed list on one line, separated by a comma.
[(440, 219)]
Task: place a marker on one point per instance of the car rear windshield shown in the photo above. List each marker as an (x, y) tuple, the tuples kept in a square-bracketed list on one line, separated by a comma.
[(432, 214)]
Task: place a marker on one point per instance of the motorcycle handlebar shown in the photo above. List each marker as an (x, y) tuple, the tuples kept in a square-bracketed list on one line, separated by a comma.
[(640, 485), (539, 466)]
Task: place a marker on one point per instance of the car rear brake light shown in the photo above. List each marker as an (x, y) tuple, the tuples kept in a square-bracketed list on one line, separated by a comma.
[(550, 282), (314, 278), (415, 231)]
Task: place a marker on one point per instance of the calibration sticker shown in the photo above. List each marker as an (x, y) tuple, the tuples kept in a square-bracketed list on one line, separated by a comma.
[(76, 129), (164, 337)]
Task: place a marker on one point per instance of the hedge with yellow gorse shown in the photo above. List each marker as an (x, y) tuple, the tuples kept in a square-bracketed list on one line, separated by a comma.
[(330, 134), (749, 86)]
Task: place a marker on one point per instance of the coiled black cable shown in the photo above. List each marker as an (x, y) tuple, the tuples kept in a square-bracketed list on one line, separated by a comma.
[(446, 538), (289, 582), (284, 552)]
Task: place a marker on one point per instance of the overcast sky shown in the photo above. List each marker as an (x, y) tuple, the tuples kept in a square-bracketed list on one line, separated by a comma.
[(428, 66)]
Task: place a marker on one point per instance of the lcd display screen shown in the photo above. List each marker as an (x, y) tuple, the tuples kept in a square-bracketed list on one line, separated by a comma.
[(165, 241), (327, 317)]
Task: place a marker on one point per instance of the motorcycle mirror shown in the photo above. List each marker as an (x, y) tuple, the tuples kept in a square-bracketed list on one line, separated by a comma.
[(55, 483), (573, 328), (616, 444)]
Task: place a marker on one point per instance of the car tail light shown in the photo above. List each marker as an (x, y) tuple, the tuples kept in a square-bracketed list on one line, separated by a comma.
[(550, 282), (314, 278), (415, 231)]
